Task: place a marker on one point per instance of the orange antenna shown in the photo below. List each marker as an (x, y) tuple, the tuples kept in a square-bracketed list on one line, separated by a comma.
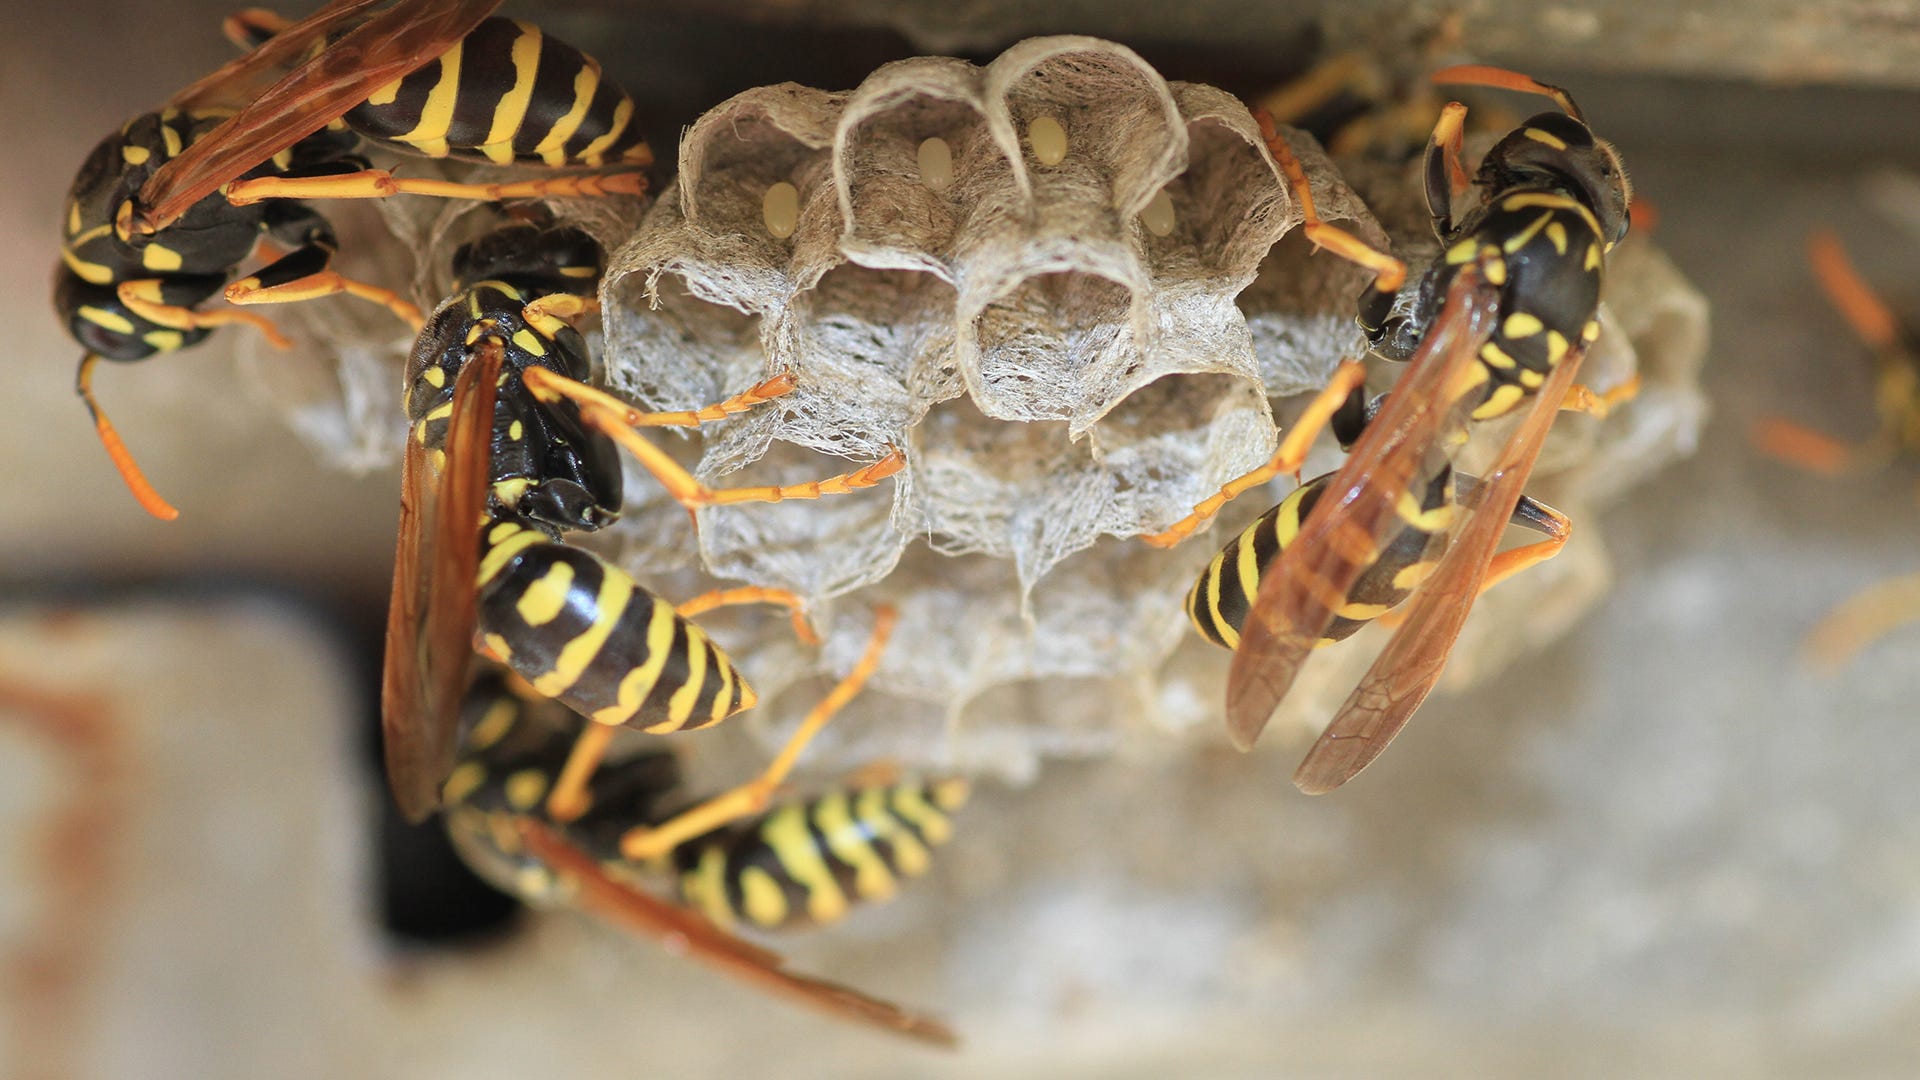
[(148, 498), (1502, 79)]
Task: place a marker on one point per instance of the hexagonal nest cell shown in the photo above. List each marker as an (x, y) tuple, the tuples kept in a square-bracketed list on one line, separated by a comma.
[(1067, 289)]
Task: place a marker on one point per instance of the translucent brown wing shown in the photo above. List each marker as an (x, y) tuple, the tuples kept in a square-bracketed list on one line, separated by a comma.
[(430, 618), (385, 46), (684, 931), (1408, 668), (1313, 575), (238, 80)]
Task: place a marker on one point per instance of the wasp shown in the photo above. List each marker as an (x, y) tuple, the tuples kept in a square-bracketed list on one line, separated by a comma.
[(164, 211), (1501, 320), (806, 863), (1883, 607), (509, 455)]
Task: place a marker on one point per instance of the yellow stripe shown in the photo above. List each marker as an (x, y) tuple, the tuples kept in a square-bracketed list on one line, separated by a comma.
[(442, 411), (1593, 257), (1503, 398), (1407, 508), (1409, 577), (436, 377), (785, 832), (525, 788), (552, 148), (1496, 271), (1494, 356), (1552, 202), (503, 552), (465, 779), (386, 95), (1547, 137), (1461, 252), (497, 647), (848, 841), (73, 218), (909, 855), (92, 273), (1359, 612), (680, 705), (1522, 325), (1525, 236), (101, 317), (429, 136), (511, 109), (705, 887), (1556, 347), (1590, 332), (135, 155), (494, 723), (526, 340), (170, 140), (1531, 379), (638, 683), (1246, 568), (723, 698), (1557, 236), (545, 599), (163, 340), (932, 824), (616, 589), (160, 257), (596, 150), (950, 794), (762, 900)]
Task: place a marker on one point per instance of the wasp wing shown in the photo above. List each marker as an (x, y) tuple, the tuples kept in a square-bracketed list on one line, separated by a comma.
[(384, 47), (430, 618), (234, 83), (1408, 668), (1306, 585), (684, 931)]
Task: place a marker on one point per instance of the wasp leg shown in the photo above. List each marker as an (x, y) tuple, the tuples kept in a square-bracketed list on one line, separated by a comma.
[(1861, 620), (566, 307), (1528, 514), (610, 416), (251, 28), (379, 184), (1582, 398), (305, 273), (1389, 273), (117, 451), (752, 797), (1807, 449), (1541, 518), (1293, 451), (1293, 102), (757, 394), (1851, 295), (143, 298), (1503, 79), (1446, 178), (754, 594)]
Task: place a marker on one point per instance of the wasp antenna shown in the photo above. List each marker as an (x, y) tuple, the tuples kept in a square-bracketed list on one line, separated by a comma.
[(1502, 79), (143, 492)]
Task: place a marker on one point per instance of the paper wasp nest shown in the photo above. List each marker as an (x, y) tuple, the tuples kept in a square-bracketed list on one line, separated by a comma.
[(1065, 287)]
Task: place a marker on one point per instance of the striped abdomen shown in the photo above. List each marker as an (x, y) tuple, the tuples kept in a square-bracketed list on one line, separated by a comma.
[(1219, 601), (581, 630), (507, 93), (808, 862)]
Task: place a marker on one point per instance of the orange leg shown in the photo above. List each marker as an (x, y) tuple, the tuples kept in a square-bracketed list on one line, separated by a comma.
[(380, 184), (325, 283), (1581, 398), (647, 843), (1389, 273), (1803, 447), (1502, 79), (568, 799), (1446, 178), (563, 306), (1856, 301), (1293, 451), (1293, 101), (117, 451), (142, 298), (754, 594), (1860, 621), (611, 416)]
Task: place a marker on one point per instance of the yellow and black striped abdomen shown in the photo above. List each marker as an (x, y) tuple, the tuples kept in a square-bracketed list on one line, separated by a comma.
[(808, 862), (507, 93), (581, 630), (1545, 252), (1219, 601)]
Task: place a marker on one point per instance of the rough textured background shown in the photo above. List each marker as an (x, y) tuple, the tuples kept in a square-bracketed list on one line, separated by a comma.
[(1659, 849)]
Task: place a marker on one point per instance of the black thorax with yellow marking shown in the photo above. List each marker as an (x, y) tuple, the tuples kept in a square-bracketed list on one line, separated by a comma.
[(547, 467), (1553, 203)]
